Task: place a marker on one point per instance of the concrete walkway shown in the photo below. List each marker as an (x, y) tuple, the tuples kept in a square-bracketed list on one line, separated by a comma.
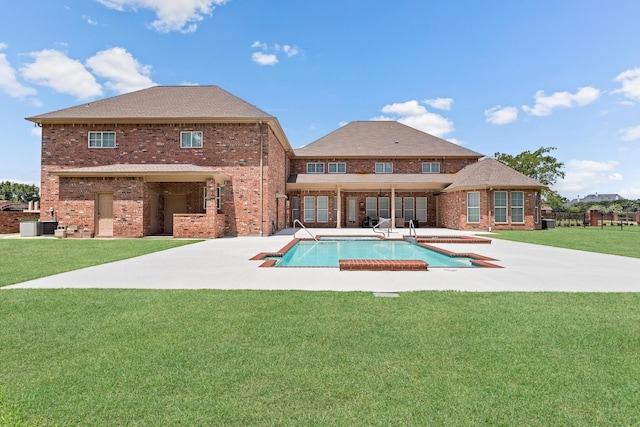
[(225, 264)]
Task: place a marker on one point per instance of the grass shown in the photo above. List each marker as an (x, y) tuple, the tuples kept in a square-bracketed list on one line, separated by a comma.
[(161, 358), (607, 240), (27, 259)]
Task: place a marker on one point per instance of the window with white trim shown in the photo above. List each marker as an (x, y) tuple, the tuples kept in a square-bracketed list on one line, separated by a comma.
[(191, 139), (398, 207), (536, 208), (102, 139), (315, 167), (409, 205), (431, 167), (384, 167), (335, 208), (295, 208), (337, 167), (473, 206), (385, 209), (372, 207), (323, 208), (500, 206), (218, 197), (517, 206), (309, 209), (421, 209)]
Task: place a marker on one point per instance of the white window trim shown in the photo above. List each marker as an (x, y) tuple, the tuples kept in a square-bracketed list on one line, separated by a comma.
[(309, 207), (473, 207), (322, 213), (315, 167), (505, 207), (337, 167), (115, 144), (515, 207), (383, 166), (431, 167), (191, 132)]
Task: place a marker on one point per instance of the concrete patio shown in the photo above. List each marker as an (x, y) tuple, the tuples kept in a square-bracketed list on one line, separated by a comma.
[(225, 264)]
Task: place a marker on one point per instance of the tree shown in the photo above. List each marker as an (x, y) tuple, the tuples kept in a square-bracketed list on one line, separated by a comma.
[(538, 165), (16, 192)]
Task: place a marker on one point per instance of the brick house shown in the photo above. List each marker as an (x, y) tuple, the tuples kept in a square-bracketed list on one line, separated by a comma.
[(382, 169), (190, 161), (196, 161)]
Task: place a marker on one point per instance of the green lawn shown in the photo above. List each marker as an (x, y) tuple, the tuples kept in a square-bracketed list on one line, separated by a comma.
[(26, 259), (162, 358), (607, 240)]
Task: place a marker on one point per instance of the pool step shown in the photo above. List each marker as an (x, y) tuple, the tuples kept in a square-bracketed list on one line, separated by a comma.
[(383, 265)]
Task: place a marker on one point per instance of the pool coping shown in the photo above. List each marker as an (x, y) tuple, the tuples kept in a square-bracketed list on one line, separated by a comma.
[(390, 265)]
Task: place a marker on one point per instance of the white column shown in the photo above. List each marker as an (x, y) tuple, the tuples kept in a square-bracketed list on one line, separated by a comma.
[(339, 209), (393, 207)]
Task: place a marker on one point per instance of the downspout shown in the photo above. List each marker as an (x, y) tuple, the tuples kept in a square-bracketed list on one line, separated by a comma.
[(489, 207), (261, 179)]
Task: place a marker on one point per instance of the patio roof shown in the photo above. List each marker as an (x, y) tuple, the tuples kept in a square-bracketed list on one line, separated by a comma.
[(369, 181), (490, 173), (150, 172)]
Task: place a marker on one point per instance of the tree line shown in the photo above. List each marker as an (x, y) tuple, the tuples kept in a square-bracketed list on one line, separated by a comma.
[(19, 193)]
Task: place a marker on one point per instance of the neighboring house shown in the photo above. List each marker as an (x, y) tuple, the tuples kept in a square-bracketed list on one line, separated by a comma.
[(196, 161), (591, 198)]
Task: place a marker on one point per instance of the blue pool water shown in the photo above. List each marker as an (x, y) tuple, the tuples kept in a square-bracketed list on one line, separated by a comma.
[(327, 253)]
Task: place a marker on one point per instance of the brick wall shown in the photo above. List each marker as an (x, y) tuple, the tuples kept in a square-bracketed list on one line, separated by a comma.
[(233, 148), (399, 165), (453, 212), (10, 220)]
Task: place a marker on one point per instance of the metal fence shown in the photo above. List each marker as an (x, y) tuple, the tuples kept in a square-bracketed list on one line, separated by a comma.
[(568, 219)]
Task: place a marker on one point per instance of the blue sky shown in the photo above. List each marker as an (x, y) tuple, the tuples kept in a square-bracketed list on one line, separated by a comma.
[(495, 76)]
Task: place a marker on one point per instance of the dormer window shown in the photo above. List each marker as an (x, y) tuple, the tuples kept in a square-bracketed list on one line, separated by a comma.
[(431, 167), (384, 167), (315, 167)]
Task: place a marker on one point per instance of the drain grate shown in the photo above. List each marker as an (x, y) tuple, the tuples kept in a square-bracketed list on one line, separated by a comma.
[(385, 295)]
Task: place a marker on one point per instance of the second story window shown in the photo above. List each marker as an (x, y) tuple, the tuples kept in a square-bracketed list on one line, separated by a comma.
[(191, 139), (102, 139), (430, 167), (337, 167), (315, 167), (384, 167)]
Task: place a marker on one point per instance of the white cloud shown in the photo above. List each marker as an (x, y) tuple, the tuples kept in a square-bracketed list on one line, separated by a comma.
[(264, 58), (269, 55), (630, 133), (173, 15), (88, 20), (583, 175), (54, 69), (440, 103), (501, 116), (290, 50), (122, 71), (9, 80), (411, 113), (545, 105), (630, 84)]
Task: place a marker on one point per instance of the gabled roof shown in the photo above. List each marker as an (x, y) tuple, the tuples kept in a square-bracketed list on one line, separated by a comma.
[(381, 139), (160, 102), (490, 173)]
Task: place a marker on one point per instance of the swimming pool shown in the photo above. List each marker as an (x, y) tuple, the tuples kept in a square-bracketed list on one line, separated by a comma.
[(327, 253)]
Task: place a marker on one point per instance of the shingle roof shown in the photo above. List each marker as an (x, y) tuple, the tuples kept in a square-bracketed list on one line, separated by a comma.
[(488, 173), (161, 102), (381, 139), (152, 170), (373, 180)]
